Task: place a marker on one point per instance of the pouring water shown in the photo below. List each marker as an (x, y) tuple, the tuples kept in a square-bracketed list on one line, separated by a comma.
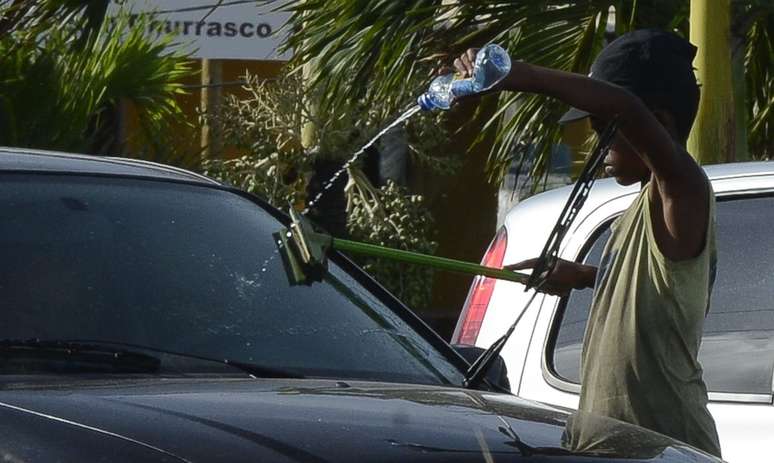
[(491, 66)]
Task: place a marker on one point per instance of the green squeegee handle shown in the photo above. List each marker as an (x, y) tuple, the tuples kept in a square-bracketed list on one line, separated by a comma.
[(440, 263)]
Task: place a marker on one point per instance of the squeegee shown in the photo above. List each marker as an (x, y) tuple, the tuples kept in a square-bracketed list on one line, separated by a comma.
[(304, 251)]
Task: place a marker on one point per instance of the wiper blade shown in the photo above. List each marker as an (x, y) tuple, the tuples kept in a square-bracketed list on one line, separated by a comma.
[(547, 260), (25, 355), (256, 371), (478, 369), (259, 371), (550, 255)]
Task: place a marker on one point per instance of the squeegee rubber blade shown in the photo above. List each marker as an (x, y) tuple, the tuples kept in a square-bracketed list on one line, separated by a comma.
[(294, 270)]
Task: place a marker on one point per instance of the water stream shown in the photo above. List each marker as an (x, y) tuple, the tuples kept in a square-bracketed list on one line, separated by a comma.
[(327, 185)]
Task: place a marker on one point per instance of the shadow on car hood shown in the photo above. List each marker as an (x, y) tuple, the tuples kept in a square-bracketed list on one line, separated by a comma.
[(301, 420)]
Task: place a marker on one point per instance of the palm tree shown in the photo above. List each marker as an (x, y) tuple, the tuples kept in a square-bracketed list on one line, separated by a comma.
[(753, 26), (65, 71), (381, 52)]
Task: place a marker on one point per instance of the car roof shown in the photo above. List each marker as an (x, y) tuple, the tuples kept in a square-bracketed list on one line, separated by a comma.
[(606, 189), (739, 169), (43, 161), (542, 210)]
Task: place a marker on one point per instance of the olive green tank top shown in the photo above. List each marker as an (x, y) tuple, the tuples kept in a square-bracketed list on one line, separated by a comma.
[(639, 362)]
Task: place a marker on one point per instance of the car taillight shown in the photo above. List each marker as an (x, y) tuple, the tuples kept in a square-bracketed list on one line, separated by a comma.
[(480, 293)]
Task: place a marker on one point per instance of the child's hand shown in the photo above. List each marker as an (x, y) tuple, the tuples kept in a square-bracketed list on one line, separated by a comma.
[(518, 79), (566, 276), (464, 64), (463, 69)]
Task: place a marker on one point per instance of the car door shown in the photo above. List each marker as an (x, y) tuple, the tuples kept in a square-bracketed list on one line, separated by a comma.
[(737, 351)]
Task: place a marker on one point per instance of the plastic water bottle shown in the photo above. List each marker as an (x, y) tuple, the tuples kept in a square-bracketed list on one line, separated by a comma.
[(491, 66)]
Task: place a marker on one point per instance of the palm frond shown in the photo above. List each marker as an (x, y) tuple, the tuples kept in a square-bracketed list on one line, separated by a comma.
[(381, 53), (61, 86), (759, 72)]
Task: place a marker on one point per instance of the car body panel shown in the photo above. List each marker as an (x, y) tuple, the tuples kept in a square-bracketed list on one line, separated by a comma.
[(742, 419), (28, 160), (302, 420)]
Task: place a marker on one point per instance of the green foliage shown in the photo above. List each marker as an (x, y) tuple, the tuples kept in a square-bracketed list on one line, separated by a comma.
[(357, 42), (367, 51), (759, 30), (266, 130), (264, 177), (62, 79), (28, 18), (390, 216)]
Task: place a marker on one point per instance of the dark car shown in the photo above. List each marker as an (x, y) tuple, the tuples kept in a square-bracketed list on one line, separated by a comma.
[(145, 316)]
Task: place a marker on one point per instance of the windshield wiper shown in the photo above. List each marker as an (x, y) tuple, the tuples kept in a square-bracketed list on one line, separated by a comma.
[(28, 355), (547, 260), (478, 369), (128, 351), (256, 371)]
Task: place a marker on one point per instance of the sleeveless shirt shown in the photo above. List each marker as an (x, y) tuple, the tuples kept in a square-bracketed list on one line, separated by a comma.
[(639, 362)]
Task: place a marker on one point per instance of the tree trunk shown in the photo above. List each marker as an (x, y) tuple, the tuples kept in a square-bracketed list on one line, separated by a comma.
[(211, 102), (739, 29), (712, 139), (309, 130), (742, 149)]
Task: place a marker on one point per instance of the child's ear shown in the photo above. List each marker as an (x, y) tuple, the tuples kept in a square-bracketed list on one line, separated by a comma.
[(667, 120)]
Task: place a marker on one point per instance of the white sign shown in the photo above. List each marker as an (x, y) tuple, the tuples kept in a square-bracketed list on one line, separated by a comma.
[(236, 29)]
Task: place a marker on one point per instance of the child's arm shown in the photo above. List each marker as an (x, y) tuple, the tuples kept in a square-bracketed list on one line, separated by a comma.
[(565, 277), (680, 188)]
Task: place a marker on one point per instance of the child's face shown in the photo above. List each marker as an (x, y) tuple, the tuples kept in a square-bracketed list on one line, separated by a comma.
[(622, 161)]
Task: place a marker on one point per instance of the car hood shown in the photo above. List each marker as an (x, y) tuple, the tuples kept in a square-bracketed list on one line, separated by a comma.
[(300, 420)]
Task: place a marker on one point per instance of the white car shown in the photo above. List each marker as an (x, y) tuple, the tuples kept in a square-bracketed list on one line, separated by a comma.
[(737, 352)]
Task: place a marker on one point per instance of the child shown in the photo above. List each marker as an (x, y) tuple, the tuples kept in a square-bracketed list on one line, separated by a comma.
[(652, 288)]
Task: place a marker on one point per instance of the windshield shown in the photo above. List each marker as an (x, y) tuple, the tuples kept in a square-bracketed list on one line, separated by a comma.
[(187, 269)]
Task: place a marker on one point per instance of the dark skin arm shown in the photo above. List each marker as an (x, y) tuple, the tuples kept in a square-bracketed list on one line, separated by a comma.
[(565, 277), (679, 191)]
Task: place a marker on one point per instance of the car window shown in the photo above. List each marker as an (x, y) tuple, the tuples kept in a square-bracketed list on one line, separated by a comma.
[(737, 351), (188, 269), (569, 335)]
